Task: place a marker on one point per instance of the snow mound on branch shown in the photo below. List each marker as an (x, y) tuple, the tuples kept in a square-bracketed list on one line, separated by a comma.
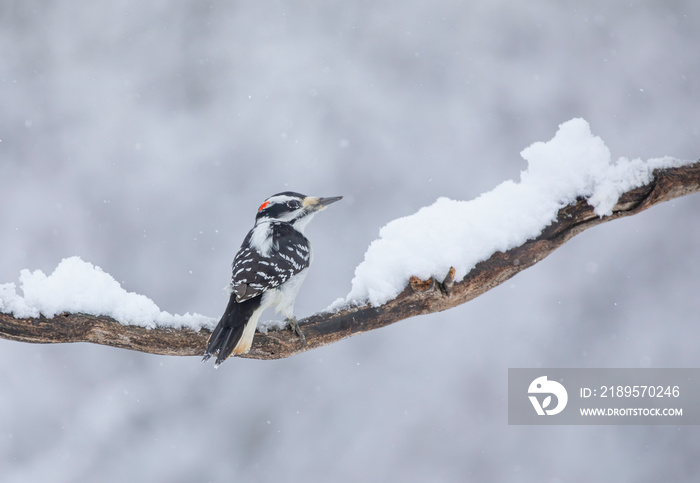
[(76, 286), (575, 163), (459, 234)]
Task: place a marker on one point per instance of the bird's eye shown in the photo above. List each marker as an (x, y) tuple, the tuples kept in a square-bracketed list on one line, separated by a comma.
[(294, 204)]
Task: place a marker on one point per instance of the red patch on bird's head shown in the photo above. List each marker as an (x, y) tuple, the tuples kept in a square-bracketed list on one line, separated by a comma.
[(263, 206)]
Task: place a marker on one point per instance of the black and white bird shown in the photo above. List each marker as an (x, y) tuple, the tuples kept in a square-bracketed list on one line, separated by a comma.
[(268, 271)]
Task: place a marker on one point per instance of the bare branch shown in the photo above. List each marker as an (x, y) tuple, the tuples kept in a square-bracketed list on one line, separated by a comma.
[(418, 298)]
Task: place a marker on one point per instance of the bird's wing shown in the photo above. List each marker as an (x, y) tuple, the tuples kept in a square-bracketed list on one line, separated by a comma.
[(255, 272)]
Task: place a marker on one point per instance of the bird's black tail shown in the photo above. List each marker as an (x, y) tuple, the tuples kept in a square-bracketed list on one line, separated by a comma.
[(229, 331)]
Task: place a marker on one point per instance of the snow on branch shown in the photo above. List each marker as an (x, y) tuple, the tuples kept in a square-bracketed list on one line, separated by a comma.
[(442, 256)]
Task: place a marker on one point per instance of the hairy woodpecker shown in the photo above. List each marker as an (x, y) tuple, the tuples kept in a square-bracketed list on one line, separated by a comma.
[(268, 271)]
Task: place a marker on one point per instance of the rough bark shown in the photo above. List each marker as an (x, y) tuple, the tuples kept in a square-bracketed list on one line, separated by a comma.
[(418, 298)]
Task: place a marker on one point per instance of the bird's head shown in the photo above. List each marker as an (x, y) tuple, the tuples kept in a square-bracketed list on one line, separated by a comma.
[(293, 208)]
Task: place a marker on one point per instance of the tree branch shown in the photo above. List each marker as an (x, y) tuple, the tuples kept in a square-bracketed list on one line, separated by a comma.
[(418, 298)]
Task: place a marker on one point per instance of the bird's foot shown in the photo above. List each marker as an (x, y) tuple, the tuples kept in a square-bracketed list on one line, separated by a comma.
[(294, 327)]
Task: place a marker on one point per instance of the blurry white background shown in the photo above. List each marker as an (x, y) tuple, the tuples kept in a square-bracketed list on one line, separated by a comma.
[(142, 136)]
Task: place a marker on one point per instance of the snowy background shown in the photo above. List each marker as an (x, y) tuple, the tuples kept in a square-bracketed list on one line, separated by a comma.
[(143, 136)]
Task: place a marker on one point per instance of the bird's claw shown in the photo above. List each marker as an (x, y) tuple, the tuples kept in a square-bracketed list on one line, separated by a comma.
[(294, 327)]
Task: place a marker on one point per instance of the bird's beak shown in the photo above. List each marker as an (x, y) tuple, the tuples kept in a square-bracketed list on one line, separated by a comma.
[(317, 204)]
